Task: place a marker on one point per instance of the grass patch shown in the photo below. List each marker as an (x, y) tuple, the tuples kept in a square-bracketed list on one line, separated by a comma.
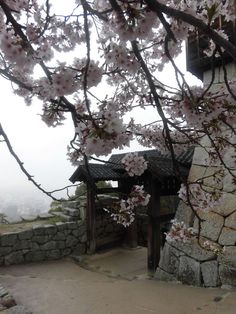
[(56, 219)]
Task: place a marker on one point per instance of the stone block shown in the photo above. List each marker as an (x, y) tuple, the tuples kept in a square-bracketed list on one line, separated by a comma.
[(227, 275), (67, 232), (53, 254), (228, 236), (40, 239), (60, 245), (227, 206), (82, 213), (230, 221), (189, 271), (36, 256), (8, 239), (169, 260), (25, 235), (184, 213), (80, 249), (75, 233), (194, 250), (228, 256), (164, 276), (13, 220), (1, 261), (35, 246), (70, 204), (66, 252), (39, 230), (229, 156), (82, 229), (208, 175), (212, 225), (73, 212), (71, 241), (228, 186), (61, 226), (51, 245), (22, 244), (14, 258), (27, 217), (50, 229), (210, 274), (72, 225), (80, 223), (45, 215), (59, 236), (5, 250), (201, 157), (83, 238)]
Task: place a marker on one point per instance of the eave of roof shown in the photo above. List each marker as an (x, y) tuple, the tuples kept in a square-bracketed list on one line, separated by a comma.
[(159, 165), (96, 172)]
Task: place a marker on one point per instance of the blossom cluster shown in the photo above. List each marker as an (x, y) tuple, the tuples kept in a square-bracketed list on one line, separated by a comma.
[(179, 232), (103, 133), (135, 165), (211, 246), (123, 212), (199, 198), (138, 24)]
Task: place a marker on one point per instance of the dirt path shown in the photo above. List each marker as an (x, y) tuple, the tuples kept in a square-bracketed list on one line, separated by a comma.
[(63, 287)]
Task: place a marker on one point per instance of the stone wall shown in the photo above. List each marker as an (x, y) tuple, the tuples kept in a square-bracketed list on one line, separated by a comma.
[(48, 242), (211, 261), (215, 264), (108, 232)]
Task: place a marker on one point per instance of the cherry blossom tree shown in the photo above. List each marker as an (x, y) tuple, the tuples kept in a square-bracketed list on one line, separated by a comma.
[(123, 44)]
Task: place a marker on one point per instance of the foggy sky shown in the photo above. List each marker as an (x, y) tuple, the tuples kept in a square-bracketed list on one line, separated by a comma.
[(42, 149)]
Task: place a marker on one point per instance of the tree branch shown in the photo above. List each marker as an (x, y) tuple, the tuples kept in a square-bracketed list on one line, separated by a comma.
[(192, 20), (21, 164)]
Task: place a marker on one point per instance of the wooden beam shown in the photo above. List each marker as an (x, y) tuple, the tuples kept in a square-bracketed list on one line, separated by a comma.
[(154, 244), (107, 190), (91, 219)]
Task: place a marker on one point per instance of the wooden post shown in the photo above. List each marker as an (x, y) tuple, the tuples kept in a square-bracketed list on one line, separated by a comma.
[(154, 230), (154, 244), (91, 219)]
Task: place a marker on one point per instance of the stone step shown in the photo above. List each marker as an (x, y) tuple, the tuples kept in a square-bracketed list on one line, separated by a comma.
[(64, 216), (28, 217), (12, 220), (73, 212), (70, 204), (45, 215)]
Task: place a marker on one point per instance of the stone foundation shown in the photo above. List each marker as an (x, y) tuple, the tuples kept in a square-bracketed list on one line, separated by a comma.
[(191, 263), (48, 242)]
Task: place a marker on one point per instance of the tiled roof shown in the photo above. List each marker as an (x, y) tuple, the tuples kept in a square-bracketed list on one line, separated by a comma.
[(184, 158), (163, 168), (97, 172), (159, 165)]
